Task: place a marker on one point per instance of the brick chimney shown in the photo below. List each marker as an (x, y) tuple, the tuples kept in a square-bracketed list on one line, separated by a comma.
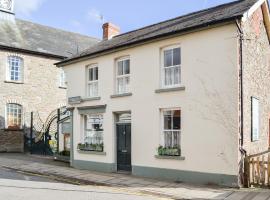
[(110, 30)]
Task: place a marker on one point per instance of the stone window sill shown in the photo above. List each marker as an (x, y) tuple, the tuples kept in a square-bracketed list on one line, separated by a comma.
[(121, 95), (14, 82), (170, 157), (91, 99), (174, 89), (92, 152)]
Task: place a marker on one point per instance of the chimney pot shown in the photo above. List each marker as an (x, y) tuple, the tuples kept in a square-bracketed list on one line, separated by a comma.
[(110, 30)]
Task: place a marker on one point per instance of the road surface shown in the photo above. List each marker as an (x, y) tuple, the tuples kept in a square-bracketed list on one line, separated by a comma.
[(20, 186)]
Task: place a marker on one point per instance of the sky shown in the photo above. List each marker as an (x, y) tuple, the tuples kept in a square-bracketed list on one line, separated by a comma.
[(87, 16)]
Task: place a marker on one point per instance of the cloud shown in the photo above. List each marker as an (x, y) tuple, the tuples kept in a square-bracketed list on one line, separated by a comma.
[(26, 7), (95, 15)]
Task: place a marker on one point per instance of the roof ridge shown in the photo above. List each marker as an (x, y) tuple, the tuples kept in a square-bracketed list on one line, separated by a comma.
[(59, 29), (185, 15)]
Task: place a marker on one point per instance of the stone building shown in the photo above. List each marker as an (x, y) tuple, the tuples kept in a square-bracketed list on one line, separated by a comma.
[(29, 80), (185, 99)]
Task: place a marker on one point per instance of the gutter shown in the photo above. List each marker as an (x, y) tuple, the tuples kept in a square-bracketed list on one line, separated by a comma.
[(241, 38), (243, 180), (147, 40), (31, 52)]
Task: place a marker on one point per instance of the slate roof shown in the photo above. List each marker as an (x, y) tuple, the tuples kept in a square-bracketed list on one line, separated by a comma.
[(41, 39), (203, 18)]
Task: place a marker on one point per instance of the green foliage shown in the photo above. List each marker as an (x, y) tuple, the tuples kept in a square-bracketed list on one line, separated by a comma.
[(64, 153), (169, 151), (91, 147)]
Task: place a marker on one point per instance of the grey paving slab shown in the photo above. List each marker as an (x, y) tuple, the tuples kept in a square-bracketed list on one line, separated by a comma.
[(262, 196), (237, 196), (135, 184)]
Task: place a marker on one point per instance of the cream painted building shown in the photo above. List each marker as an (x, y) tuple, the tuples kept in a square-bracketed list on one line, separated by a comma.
[(29, 80), (178, 100)]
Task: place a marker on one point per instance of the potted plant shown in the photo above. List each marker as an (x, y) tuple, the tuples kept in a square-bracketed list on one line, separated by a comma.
[(169, 151)]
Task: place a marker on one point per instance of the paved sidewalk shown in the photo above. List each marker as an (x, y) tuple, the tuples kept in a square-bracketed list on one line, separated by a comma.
[(45, 166)]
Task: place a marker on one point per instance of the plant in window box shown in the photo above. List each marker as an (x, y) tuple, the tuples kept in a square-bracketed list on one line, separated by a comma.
[(99, 147), (169, 151), (91, 147)]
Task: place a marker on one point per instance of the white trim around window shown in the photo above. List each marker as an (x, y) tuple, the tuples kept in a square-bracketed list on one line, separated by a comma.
[(13, 116), (62, 79), (93, 129), (171, 119), (171, 67), (122, 78), (255, 119), (92, 84), (15, 69)]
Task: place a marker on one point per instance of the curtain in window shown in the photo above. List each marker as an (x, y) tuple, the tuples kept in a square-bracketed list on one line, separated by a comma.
[(172, 62), (171, 128), (93, 129), (123, 76), (14, 116)]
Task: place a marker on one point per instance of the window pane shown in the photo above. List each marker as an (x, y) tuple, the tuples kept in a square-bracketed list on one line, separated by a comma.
[(255, 119), (126, 67), (168, 58), (96, 75), (93, 89), (15, 64), (120, 68), (91, 75), (14, 116), (169, 76), (167, 120), (177, 120), (176, 75), (120, 85), (176, 56), (94, 129)]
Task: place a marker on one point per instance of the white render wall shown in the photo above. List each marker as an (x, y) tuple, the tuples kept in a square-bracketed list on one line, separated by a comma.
[(209, 103)]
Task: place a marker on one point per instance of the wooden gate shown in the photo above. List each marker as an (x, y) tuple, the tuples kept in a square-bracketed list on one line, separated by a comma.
[(257, 170)]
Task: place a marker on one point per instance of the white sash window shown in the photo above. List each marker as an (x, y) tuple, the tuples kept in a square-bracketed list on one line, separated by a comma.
[(15, 69), (123, 76), (171, 67), (170, 137), (62, 82), (92, 81), (13, 116), (93, 129)]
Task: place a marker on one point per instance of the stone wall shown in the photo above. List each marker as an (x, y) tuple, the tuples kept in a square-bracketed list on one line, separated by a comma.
[(256, 80), (11, 141), (39, 92)]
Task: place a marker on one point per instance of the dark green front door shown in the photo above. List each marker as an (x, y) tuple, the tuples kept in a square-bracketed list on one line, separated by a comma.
[(123, 147)]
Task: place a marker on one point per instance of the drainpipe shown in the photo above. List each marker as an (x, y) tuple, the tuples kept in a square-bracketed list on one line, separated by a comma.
[(241, 142)]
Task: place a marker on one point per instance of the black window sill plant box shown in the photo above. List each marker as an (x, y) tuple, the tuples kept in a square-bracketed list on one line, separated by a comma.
[(169, 151), (90, 147)]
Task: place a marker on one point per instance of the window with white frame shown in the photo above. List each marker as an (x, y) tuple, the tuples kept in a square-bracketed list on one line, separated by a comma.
[(92, 81), (62, 82), (171, 67), (15, 69), (123, 76), (255, 116), (93, 129), (13, 116), (171, 129)]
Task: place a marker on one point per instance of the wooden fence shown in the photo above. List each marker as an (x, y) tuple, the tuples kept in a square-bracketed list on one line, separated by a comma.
[(257, 170)]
